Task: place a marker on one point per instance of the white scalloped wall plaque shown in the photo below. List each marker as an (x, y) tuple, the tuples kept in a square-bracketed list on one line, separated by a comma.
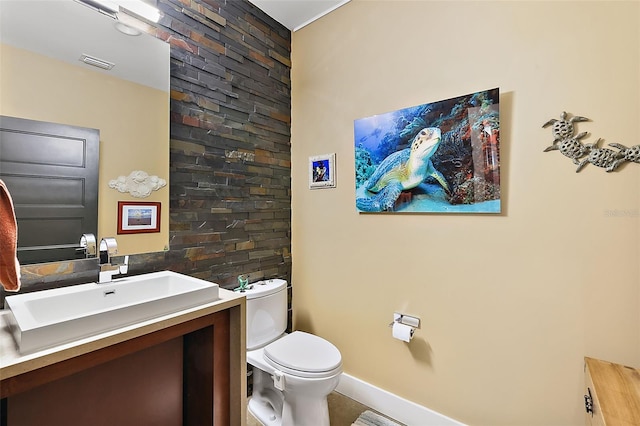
[(139, 184)]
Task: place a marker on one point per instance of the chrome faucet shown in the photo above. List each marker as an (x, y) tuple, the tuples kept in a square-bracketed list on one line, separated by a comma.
[(108, 248), (88, 245)]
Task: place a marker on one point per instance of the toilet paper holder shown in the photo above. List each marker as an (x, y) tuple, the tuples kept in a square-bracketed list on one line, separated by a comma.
[(406, 320)]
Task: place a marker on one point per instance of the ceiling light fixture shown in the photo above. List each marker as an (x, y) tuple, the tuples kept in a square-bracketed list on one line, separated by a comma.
[(126, 29), (104, 7), (112, 7), (96, 62), (140, 8)]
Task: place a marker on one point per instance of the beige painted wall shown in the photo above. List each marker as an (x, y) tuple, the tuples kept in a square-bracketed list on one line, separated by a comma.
[(509, 303), (133, 121)]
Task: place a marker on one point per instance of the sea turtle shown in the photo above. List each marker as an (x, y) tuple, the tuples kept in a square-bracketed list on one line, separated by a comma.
[(563, 128), (402, 170), (630, 154), (602, 157), (572, 147)]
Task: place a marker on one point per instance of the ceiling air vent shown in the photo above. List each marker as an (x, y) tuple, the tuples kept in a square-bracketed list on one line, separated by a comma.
[(96, 62)]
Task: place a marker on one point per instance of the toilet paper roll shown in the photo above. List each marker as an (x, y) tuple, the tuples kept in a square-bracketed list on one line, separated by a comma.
[(402, 332)]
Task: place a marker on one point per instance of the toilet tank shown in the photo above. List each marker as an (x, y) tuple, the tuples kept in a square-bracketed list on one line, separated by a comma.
[(266, 312)]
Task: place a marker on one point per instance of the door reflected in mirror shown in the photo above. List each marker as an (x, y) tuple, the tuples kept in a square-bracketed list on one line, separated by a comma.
[(42, 78), (51, 170)]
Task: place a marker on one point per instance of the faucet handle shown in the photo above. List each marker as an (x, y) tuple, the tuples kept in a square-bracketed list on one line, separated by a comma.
[(124, 268), (107, 270)]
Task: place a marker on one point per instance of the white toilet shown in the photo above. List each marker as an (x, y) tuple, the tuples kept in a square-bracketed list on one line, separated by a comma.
[(292, 373)]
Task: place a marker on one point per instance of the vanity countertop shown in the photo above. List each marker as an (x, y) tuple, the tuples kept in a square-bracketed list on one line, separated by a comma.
[(12, 363)]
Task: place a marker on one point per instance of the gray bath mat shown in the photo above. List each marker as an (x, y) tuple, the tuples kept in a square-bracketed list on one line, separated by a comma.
[(369, 418)]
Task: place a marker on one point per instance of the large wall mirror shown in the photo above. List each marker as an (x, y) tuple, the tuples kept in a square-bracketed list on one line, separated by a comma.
[(42, 78)]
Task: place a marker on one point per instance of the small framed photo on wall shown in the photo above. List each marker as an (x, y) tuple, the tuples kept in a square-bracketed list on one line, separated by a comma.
[(322, 171), (135, 217)]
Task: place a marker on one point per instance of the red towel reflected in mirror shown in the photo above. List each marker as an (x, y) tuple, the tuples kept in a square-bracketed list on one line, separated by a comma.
[(9, 265)]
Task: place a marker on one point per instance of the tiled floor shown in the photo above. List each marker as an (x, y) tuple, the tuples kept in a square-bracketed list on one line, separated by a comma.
[(342, 411)]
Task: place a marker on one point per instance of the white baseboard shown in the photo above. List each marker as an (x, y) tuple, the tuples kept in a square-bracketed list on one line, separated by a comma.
[(391, 405)]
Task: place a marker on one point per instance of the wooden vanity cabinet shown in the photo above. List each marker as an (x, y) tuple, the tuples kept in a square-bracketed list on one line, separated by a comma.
[(190, 373), (612, 395)]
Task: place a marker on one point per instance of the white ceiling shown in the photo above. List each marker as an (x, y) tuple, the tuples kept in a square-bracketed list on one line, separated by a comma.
[(31, 25), (65, 29), (295, 14)]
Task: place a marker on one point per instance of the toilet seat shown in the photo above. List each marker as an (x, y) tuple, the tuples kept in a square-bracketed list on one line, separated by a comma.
[(304, 355)]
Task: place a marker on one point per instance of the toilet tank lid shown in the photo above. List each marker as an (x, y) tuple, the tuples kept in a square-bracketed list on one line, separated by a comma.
[(264, 288)]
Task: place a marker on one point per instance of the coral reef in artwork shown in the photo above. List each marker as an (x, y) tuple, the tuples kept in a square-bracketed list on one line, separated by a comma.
[(435, 157), (570, 145)]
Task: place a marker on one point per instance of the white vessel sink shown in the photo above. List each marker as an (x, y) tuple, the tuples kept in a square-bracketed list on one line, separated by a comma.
[(51, 317)]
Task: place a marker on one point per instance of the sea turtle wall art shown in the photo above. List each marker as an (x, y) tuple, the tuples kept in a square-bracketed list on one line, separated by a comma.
[(439, 157)]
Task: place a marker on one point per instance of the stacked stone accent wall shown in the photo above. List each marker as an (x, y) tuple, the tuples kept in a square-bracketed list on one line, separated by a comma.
[(230, 177)]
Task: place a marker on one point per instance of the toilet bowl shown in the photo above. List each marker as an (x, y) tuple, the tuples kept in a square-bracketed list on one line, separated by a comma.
[(292, 373)]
